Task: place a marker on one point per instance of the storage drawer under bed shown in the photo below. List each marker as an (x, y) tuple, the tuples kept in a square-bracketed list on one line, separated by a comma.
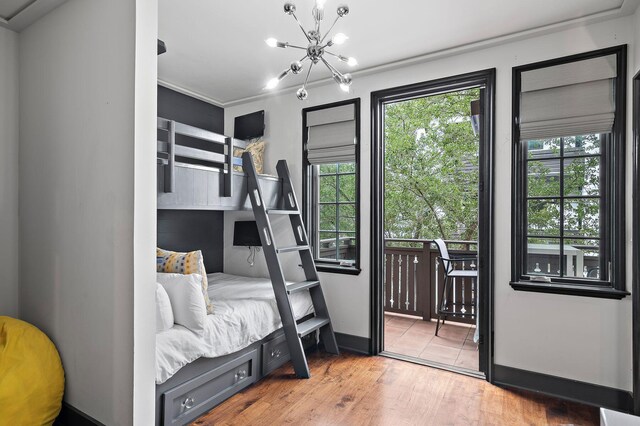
[(275, 353), (191, 399)]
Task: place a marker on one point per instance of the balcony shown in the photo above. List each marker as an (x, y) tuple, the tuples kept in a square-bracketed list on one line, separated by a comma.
[(413, 280)]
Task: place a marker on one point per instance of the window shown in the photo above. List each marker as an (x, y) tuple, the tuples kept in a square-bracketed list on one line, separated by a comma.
[(568, 234), (331, 185)]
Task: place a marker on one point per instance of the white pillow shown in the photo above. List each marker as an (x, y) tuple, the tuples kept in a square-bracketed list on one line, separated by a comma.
[(164, 313), (185, 294)]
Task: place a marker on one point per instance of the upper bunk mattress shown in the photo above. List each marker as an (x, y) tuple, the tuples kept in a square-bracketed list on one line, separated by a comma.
[(244, 311)]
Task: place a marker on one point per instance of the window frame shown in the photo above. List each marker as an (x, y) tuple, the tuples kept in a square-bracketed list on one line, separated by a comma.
[(308, 187), (612, 187)]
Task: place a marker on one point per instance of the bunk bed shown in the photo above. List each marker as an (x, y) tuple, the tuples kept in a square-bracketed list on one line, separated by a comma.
[(195, 175), (195, 171)]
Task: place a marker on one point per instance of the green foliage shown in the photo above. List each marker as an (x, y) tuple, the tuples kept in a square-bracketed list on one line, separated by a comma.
[(431, 168), (581, 177)]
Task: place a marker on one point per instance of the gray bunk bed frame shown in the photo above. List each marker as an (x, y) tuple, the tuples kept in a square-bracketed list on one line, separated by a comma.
[(202, 178)]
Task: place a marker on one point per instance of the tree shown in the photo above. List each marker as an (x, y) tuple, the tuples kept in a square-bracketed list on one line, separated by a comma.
[(431, 168)]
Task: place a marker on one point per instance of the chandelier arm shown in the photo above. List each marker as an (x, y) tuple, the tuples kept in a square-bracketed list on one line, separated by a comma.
[(301, 27), (296, 47), (331, 68), (332, 54), (308, 73), (330, 28)]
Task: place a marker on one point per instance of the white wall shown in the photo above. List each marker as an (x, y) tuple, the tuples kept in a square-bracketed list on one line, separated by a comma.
[(580, 338), (636, 24), (8, 173), (84, 128)]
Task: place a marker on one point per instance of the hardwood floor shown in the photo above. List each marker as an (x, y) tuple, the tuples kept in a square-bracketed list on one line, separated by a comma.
[(359, 390)]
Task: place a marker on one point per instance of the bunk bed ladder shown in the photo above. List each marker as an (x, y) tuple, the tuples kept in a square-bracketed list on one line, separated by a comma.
[(321, 321)]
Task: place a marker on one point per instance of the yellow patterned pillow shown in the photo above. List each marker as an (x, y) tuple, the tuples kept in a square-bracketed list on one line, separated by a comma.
[(184, 263), (257, 151)]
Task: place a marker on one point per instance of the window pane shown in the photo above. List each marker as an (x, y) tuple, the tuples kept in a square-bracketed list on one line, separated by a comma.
[(328, 169), (328, 217), (327, 189), (584, 256), (582, 176), (347, 188), (543, 148), (327, 245), (347, 247), (347, 215), (543, 217), (581, 145), (543, 256), (582, 218), (347, 167), (543, 178)]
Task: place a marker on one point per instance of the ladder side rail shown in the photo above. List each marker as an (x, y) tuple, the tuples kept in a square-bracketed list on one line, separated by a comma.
[(299, 229), (275, 268), (317, 296)]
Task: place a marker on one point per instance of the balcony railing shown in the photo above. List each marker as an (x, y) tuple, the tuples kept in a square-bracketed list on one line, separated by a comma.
[(414, 276)]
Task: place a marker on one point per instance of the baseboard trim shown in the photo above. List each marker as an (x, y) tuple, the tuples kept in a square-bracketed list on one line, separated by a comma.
[(358, 344), (71, 416), (560, 387)]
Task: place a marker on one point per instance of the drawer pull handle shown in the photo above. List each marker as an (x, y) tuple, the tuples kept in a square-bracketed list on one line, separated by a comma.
[(241, 374), (188, 403), (275, 353)]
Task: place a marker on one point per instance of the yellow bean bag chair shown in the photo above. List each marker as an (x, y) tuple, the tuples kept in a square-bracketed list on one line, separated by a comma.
[(31, 375)]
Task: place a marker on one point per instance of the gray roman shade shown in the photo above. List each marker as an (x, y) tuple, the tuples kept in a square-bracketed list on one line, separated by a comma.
[(331, 135), (571, 99)]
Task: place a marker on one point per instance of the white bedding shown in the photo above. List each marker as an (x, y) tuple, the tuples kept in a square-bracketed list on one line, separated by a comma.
[(244, 311)]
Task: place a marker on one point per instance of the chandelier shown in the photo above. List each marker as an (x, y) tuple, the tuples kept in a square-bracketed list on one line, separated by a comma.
[(315, 50)]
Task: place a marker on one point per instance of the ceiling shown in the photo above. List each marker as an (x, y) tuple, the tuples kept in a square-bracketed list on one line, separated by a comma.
[(216, 48), (16, 15)]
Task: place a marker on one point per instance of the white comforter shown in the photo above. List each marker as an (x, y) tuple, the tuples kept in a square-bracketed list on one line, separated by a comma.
[(244, 311)]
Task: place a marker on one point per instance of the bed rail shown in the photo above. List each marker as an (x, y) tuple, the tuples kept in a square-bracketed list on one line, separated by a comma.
[(216, 153)]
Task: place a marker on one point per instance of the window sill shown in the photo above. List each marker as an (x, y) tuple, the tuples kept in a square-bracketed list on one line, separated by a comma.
[(604, 292), (348, 270)]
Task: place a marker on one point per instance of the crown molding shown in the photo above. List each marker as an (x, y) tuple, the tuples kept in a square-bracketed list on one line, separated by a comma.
[(627, 7), (189, 92), (29, 14)]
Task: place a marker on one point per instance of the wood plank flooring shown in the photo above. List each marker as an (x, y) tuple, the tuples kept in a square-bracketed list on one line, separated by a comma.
[(360, 390)]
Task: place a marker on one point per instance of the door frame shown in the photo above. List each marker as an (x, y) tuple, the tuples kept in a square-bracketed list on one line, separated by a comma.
[(635, 276), (484, 78)]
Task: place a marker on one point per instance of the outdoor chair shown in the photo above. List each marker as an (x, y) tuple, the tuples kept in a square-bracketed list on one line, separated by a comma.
[(448, 307)]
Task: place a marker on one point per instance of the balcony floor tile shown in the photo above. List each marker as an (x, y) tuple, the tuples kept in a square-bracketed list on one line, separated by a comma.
[(414, 337)]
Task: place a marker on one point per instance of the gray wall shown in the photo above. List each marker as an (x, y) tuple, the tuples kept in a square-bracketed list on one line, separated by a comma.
[(188, 230), (87, 199), (8, 173), (188, 110), (580, 338)]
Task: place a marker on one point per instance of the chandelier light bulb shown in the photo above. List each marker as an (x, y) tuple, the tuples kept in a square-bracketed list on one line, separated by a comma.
[(320, 4), (272, 84), (345, 87), (271, 42), (352, 62), (339, 38)]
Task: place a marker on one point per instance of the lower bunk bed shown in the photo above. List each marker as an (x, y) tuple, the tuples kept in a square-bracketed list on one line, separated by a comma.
[(243, 341)]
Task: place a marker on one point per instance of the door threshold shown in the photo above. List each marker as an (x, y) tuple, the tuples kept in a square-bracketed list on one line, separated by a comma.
[(421, 361)]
